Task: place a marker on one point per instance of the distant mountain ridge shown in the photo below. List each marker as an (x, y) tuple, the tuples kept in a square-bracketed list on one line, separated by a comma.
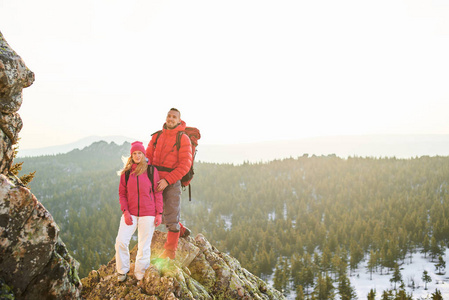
[(80, 144), (400, 146)]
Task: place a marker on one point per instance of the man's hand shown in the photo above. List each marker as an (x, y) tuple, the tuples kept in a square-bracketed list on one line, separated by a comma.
[(161, 185), (128, 218), (158, 220)]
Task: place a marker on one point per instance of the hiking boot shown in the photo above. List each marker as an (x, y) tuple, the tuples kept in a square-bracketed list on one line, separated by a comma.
[(121, 277), (186, 233)]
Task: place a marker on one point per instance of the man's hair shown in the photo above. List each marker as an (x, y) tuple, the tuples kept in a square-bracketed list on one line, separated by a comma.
[(175, 109)]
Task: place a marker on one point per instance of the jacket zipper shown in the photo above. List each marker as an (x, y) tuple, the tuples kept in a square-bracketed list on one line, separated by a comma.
[(138, 198)]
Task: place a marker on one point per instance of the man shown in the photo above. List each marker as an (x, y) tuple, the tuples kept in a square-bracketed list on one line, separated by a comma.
[(172, 165)]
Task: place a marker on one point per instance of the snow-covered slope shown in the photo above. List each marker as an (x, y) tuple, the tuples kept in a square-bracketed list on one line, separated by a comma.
[(409, 271), (360, 279)]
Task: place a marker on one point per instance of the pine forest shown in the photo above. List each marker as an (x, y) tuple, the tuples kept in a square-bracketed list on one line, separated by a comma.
[(306, 222)]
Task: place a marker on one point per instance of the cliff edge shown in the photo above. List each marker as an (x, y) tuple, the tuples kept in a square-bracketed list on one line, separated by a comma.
[(34, 262)]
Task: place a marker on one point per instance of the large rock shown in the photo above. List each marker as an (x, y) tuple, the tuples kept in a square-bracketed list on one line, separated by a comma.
[(33, 260), (200, 271), (14, 77)]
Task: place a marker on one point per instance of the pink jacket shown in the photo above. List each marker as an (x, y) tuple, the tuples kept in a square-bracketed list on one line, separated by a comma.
[(137, 196)]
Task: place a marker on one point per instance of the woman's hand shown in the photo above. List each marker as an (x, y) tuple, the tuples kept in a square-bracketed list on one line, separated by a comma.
[(128, 218), (158, 220)]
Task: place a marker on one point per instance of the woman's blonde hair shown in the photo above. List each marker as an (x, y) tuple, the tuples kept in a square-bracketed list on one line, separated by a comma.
[(128, 163)]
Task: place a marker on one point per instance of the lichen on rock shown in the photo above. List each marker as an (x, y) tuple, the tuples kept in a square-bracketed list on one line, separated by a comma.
[(34, 261), (14, 77)]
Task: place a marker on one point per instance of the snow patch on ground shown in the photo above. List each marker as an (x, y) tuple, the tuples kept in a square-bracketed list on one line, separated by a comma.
[(360, 279), (414, 271)]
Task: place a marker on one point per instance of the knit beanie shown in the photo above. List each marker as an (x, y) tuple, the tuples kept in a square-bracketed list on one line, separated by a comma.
[(137, 146)]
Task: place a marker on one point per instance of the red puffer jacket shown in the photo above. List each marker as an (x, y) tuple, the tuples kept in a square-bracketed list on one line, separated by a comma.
[(136, 197), (166, 153)]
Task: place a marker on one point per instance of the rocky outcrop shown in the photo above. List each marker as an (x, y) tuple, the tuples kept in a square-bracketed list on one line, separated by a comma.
[(14, 77), (34, 262), (200, 271)]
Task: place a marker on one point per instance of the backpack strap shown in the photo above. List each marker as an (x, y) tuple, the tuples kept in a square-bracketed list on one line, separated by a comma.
[(190, 193), (150, 173), (178, 139), (159, 132), (127, 176)]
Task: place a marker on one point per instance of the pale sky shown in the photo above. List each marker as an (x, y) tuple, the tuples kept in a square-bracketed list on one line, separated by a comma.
[(241, 71)]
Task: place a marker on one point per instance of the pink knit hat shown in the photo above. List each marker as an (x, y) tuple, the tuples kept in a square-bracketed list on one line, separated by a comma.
[(137, 146)]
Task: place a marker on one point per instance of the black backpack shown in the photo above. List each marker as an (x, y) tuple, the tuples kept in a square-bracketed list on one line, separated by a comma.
[(150, 173)]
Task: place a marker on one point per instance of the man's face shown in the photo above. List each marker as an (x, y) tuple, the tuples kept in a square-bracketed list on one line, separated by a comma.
[(173, 119)]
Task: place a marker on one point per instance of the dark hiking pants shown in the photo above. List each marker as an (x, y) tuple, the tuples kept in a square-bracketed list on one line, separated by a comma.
[(172, 206)]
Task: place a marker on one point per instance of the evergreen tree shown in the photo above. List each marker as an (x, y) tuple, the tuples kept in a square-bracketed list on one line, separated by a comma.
[(296, 267), (426, 278), (441, 264), (336, 264), (345, 289), (402, 295), (435, 249), (17, 167), (387, 295), (299, 293), (372, 263), (307, 277), (356, 255), (389, 261), (317, 261), (325, 260), (371, 295), (437, 295), (324, 289), (425, 246), (282, 275), (397, 277)]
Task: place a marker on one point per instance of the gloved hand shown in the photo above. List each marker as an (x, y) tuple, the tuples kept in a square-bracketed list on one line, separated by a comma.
[(128, 218), (158, 220)]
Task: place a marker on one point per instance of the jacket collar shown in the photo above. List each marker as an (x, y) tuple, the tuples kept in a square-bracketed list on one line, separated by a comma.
[(181, 127)]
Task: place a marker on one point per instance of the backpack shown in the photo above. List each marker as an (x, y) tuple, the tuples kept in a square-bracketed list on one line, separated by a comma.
[(194, 135), (150, 173)]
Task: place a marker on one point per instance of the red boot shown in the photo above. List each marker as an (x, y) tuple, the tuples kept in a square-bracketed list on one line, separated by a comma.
[(183, 231), (170, 245)]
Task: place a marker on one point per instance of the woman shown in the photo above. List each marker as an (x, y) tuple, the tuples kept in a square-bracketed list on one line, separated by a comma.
[(142, 210)]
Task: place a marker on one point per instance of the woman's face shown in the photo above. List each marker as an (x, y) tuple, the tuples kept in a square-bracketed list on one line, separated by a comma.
[(137, 156)]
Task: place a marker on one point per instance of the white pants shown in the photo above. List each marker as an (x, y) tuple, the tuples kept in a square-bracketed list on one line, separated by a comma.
[(145, 228)]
